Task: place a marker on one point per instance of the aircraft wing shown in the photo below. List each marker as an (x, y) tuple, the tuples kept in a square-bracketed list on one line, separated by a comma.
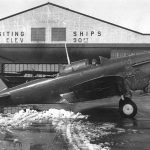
[(4, 95), (96, 88)]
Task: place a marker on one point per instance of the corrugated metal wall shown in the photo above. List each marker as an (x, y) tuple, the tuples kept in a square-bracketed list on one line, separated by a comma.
[(123, 52)]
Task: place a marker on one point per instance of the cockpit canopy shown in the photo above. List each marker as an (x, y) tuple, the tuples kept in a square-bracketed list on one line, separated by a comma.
[(80, 65), (74, 66)]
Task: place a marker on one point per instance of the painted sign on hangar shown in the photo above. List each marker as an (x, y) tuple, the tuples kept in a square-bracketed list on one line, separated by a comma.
[(50, 23)]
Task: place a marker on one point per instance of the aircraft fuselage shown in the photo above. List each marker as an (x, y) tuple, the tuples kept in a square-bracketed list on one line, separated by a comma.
[(49, 90)]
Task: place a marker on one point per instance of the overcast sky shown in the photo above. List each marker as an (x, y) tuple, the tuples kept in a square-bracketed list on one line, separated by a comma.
[(133, 14)]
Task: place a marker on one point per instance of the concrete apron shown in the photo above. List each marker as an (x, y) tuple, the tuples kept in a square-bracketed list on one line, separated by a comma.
[(143, 105), (142, 102)]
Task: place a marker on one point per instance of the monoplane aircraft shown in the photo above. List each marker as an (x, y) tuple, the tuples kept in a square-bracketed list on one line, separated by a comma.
[(80, 82)]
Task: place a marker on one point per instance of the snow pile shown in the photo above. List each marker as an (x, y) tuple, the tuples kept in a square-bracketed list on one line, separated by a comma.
[(23, 119), (79, 133), (87, 134)]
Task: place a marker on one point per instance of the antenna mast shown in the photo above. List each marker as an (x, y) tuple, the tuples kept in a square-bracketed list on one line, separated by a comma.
[(68, 59)]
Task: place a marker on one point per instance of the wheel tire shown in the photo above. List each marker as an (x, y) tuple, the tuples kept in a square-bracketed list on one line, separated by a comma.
[(127, 108)]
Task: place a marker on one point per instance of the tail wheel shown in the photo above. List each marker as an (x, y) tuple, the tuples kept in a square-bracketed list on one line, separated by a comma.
[(127, 108)]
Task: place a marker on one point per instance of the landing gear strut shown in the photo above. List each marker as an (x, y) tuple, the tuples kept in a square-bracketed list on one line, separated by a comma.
[(127, 108)]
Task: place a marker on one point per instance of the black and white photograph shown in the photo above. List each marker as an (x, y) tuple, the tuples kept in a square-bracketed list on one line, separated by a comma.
[(74, 75)]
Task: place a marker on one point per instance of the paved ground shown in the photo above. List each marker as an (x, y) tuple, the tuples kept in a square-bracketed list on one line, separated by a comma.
[(126, 134)]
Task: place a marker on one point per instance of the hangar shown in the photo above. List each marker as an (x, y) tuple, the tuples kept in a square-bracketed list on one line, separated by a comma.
[(34, 40)]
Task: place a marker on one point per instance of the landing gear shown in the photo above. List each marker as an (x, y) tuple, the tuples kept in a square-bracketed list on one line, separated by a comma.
[(127, 108)]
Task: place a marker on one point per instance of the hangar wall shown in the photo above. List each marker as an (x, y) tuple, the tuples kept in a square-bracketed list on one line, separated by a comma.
[(51, 23), (35, 39)]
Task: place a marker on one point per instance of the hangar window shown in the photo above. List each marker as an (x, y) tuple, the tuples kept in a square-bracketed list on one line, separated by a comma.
[(37, 34), (29, 70), (58, 34)]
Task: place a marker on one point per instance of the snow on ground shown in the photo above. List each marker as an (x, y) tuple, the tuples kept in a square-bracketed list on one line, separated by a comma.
[(76, 129)]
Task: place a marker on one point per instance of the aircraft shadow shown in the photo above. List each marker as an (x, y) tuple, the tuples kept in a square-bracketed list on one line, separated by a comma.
[(102, 114)]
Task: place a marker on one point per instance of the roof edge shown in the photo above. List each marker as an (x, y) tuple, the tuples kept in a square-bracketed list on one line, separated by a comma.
[(48, 3), (82, 45)]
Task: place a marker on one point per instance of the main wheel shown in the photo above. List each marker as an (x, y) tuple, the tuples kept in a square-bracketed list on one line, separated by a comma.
[(127, 108)]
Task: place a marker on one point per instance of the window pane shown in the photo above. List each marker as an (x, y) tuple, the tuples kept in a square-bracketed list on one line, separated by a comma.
[(31, 67), (40, 67), (21, 67), (58, 34), (6, 68), (25, 67), (37, 34), (13, 68), (52, 67), (17, 68), (36, 68), (56, 67), (48, 68), (44, 67)]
